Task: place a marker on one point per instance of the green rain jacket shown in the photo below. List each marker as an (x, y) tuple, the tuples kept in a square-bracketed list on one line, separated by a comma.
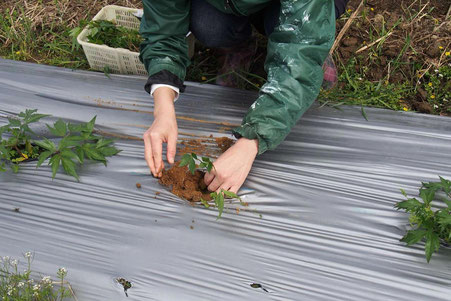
[(296, 51)]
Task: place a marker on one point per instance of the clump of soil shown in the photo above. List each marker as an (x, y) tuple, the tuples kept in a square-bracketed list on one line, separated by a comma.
[(224, 143), (184, 184), (181, 181)]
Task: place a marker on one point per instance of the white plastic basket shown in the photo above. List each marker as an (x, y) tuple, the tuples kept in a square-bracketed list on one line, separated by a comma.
[(118, 60)]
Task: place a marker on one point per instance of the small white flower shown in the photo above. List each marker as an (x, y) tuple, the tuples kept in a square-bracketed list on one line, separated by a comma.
[(63, 270), (6, 258), (436, 70), (28, 254), (36, 294), (14, 262), (440, 75), (31, 281), (435, 106), (10, 292), (46, 280), (36, 287), (21, 284)]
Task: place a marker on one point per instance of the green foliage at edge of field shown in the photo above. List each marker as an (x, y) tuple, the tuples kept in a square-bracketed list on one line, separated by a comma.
[(429, 222), (77, 144)]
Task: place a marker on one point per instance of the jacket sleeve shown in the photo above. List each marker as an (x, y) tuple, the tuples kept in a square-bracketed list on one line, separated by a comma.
[(296, 51), (164, 50)]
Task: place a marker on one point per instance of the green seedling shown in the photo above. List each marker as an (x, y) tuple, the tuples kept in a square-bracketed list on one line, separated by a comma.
[(218, 198), (192, 158), (432, 223), (77, 143)]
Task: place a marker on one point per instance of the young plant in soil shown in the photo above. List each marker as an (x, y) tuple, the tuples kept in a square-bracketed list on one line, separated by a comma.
[(20, 286), (77, 143), (191, 160), (433, 223)]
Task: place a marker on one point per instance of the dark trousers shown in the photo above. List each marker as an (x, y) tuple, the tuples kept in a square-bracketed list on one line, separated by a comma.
[(214, 28)]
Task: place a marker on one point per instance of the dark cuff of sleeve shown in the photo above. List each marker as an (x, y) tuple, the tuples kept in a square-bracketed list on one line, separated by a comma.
[(164, 77)]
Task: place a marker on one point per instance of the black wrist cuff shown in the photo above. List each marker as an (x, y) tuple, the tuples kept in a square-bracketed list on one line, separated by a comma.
[(166, 78)]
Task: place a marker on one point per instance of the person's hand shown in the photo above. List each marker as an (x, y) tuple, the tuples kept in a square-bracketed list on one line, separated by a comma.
[(163, 130), (232, 167)]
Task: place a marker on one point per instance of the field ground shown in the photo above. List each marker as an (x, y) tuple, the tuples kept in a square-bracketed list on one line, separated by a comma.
[(395, 54)]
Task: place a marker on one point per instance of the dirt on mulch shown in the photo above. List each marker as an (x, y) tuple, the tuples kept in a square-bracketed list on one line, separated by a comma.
[(181, 181), (224, 143), (209, 146)]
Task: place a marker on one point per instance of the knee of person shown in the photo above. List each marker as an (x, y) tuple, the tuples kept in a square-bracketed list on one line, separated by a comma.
[(209, 34)]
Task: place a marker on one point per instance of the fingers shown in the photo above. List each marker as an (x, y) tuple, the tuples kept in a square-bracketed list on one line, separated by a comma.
[(157, 150), (215, 184), (235, 189), (148, 153), (171, 148), (209, 176)]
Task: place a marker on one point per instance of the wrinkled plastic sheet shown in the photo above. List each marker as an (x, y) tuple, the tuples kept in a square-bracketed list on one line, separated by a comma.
[(328, 229)]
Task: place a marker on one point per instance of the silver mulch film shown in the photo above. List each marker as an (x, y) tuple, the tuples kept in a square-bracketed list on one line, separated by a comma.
[(328, 229)]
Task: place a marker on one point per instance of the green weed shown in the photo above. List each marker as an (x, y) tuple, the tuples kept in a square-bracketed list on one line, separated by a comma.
[(356, 90), (77, 143), (104, 32), (21, 286), (429, 222), (437, 84)]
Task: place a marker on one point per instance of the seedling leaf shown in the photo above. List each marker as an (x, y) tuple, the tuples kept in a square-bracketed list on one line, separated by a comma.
[(69, 167), (220, 203), (55, 163), (186, 158), (230, 194), (432, 244), (42, 157), (413, 236), (205, 203), (192, 166), (409, 205), (46, 144)]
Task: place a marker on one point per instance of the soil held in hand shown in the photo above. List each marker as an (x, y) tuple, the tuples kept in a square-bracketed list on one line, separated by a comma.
[(184, 184)]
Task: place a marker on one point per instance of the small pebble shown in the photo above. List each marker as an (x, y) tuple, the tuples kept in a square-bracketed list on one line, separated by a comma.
[(138, 185)]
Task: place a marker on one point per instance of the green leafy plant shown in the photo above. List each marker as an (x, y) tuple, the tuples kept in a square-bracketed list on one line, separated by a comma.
[(432, 223), (77, 143), (21, 286), (190, 159), (104, 32)]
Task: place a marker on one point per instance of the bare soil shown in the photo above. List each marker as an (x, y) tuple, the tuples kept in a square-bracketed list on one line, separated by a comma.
[(420, 35)]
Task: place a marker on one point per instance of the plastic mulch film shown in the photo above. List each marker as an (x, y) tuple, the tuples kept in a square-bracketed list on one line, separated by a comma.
[(327, 230)]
